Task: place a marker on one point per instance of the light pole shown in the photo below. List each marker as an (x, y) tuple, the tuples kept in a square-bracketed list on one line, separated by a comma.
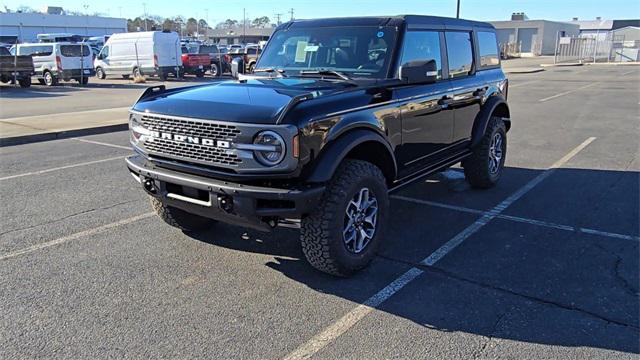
[(144, 6), (458, 10)]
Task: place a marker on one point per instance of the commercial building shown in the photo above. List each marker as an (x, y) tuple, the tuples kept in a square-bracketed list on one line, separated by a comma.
[(600, 28), (239, 35), (531, 37), (26, 26)]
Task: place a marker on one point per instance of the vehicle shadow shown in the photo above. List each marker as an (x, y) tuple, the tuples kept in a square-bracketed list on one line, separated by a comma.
[(511, 280), (37, 91)]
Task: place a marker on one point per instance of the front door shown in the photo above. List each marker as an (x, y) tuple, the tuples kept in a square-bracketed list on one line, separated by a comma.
[(427, 120)]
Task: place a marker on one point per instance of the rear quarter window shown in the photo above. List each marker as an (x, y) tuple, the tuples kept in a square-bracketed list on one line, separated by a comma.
[(488, 49), (40, 50), (74, 50)]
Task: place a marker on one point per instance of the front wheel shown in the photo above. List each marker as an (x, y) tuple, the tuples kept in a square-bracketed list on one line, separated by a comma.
[(137, 73), (100, 73), (179, 218), (484, 167), (342, 234)]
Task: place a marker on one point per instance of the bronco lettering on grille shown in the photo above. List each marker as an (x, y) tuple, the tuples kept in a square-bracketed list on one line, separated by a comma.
[(189, 139)]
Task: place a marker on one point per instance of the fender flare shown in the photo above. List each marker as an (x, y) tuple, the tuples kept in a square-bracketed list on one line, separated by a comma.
[(334, 152), (482, 119)]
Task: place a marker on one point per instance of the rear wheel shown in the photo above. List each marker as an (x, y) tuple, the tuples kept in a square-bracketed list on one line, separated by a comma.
[(180, 218), (251, 68), (41, 81), (342, 234), (49, 79), (100, 73), (25, 82), (137, 73), (483, 168), (215, 70)]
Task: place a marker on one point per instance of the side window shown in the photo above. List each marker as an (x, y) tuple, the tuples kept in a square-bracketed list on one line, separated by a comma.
[(459, 53), (488, 47), (251, 51), (104, 52), (422, 45)]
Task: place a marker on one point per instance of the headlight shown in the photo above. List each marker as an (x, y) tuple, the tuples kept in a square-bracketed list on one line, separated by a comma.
[(137, 129), (269, 148)]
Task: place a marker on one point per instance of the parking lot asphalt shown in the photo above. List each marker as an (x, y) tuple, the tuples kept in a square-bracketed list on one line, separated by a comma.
[(545, 265)]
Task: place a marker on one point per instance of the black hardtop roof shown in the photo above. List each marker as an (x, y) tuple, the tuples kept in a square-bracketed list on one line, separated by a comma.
[(409, 20)]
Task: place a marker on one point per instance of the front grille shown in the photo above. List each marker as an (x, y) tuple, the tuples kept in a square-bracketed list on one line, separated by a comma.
[(187, 151)]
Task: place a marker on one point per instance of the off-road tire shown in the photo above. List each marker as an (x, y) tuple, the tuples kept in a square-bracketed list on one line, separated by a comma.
[(100, 73), (179, 218), (25, 82), (476, 166), (321, 231)]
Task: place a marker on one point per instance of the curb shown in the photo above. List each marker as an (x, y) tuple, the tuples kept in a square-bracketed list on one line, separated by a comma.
[(64, 134), (560, 65), (523, 71)]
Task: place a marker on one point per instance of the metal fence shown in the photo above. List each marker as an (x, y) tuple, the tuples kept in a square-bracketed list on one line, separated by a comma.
[(607, 48)]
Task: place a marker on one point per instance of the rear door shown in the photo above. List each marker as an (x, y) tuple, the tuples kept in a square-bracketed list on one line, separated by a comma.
[(427, 122), (468, 89), (168, 51), (75, 57)]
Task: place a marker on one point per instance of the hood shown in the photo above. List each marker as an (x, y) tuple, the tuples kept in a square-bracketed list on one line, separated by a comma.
[(258, 101)]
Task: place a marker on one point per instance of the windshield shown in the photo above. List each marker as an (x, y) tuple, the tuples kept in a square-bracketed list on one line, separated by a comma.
[(362, 51)]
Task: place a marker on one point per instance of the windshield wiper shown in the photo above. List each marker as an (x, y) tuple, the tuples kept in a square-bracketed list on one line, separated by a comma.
[(326, 72), (271, 70)]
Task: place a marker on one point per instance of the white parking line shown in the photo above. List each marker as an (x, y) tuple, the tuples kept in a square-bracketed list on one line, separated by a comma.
[(628, 72), (75, 236), (347, 321), (520, 219), (522, 84), (39, 172), (568, 92), (103, 143)]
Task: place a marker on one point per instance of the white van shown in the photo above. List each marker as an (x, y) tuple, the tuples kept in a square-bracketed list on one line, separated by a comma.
[(59, 61), (140, 53)]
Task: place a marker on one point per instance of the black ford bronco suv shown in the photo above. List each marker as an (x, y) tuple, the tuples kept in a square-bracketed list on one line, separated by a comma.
[(338, 113)]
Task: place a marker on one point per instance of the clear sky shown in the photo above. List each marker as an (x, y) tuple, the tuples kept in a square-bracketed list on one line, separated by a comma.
[(218, 11)]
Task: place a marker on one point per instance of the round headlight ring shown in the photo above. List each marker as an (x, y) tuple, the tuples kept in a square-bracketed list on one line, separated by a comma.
[(271, 138)]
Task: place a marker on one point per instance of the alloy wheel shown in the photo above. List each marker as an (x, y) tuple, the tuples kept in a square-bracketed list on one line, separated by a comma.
[(495, 153), (361, 217)]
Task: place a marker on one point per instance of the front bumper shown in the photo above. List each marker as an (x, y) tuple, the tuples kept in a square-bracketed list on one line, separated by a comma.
[(245, 205)]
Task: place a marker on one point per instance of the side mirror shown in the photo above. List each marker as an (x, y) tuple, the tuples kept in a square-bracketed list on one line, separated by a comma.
[(237, 67), (419, 72), (100, 57)]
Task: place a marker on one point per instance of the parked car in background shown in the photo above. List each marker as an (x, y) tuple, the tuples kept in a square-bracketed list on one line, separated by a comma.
[(140, 53), (15, 68), (194, 62), (57, 61), (248, 54), (219, 65)]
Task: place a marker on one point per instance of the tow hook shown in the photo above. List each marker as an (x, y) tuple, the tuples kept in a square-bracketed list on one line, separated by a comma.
[(149, 185), (226, 203)]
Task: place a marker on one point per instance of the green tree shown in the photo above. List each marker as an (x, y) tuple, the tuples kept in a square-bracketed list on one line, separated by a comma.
[(261, 22)]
